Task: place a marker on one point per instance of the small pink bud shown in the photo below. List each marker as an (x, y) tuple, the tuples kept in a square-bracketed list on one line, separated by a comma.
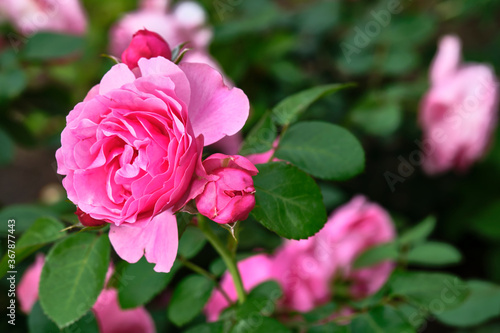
[(145, 44), (229, 197), (87, 220)]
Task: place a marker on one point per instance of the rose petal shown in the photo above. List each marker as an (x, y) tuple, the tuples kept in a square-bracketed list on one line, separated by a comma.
[(214, 110), (447, 60), (111, 318), (158, 241), (115, 78)]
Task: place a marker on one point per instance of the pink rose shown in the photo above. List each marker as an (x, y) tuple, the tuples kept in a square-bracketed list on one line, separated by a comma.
[(110, 317), (184, 23), (27, 289), (351, 230), (254, 270), (145, 44), (261, 158), (459, 113), (30, 16), (129, 150), (229, 194), (301, 274), (307, 269)]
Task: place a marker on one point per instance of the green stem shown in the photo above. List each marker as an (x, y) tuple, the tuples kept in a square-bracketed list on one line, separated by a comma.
[(226, 256), (197, 269)]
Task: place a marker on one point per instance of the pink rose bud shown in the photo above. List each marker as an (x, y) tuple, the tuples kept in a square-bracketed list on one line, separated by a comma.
[(145, 44), (229, 195), (87, 220)]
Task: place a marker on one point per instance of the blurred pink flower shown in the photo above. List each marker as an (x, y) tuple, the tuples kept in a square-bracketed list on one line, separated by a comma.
[(254, 270), (351, 230), (308, 269), (129, 150), (110, 317), (459, 113), (27, 289), (185, 22), (31, 16), (229, 194)]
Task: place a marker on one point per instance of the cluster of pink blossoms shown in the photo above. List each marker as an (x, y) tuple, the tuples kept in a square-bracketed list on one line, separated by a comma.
[(308, 269), (131, 151)]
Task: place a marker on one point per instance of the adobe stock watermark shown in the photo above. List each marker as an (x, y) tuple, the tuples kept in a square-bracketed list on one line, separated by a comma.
[(453, 120), (448, 295), (222, 7), (34, 21), (365, 33)]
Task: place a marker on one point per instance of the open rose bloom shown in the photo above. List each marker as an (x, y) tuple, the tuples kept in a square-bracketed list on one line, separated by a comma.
[(130, 149), (459, 113), (307, 270)]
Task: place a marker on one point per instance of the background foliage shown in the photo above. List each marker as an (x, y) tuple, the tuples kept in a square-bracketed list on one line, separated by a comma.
[(272, 49)]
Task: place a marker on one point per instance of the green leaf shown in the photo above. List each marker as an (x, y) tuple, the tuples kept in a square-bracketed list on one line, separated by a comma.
[(320, 312), (419, 232), (323, 150), (261, 301), (433, 254), (25, 215), (482, 304), (381, 319), (138, 283), (435, 292), (48, 46), (73, 276), (377, 116), (43, 231), (259, 324), (192, 241), (376, 254), (291, 107), (38, 322), (288, 201), (261, 137), (12, 78), (486, 221), (189, 298), (216, 327), (329, 328)]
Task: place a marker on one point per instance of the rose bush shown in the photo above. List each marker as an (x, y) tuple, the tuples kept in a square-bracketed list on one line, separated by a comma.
[(130, 149)]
